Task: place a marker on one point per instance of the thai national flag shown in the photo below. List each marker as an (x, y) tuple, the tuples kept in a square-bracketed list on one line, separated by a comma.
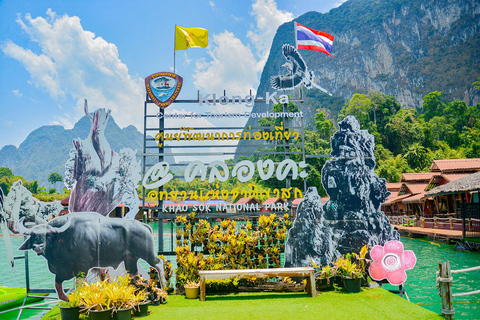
[(310, 39)]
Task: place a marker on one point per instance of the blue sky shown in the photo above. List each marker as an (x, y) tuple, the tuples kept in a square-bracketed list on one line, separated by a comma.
[(54, 54)]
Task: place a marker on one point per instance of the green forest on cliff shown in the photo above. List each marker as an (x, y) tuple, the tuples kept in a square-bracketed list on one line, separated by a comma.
[(406, 139)]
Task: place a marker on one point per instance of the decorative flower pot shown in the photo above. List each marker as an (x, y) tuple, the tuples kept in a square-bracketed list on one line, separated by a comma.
[(325, 283), (70, 313), (123, 314), (192, 292), (100, 314), (364, 282), (141, 310), (352, 285)]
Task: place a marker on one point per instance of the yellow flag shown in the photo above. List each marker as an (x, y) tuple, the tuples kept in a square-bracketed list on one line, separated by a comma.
[(190, 38)]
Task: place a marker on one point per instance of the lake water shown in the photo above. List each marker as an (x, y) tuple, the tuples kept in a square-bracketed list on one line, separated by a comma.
[(420, 285)]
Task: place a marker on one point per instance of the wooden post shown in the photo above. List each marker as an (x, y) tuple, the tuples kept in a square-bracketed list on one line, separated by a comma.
[(470, 228), (202, 288), (311, 285), (435, 225), (451, 223), (455, 203), (445, 282), (423, 222)]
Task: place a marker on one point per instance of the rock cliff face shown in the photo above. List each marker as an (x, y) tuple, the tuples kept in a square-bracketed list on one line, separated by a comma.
[(351, 217), (405, 48)]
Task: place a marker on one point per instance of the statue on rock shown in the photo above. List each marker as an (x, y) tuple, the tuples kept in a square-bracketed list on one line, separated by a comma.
[(351, 217)]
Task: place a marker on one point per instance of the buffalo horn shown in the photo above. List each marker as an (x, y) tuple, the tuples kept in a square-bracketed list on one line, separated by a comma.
[(62, 228), (21, 227)]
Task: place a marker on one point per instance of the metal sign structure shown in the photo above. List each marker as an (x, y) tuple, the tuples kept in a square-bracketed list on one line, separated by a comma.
[(214, 147)]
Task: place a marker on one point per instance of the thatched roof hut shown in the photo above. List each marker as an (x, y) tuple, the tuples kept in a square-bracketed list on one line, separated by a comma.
[(469, 183)]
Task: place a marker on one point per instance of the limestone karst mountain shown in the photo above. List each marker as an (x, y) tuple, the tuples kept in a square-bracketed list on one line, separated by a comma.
[(404, 48)]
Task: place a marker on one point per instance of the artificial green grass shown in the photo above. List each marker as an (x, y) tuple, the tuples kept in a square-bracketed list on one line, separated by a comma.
[(371, 303)]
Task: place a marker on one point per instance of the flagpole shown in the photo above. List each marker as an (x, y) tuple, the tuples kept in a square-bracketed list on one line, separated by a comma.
[(295, 29), (174, 46)]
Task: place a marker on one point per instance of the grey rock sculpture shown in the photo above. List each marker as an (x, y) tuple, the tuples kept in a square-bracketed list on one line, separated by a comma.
[(351, 217)]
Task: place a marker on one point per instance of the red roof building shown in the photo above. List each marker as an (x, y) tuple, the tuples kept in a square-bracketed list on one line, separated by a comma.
[(413, 197)]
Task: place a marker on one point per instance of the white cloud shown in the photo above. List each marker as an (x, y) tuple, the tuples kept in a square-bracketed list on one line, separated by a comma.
[(338, 3), (40, 67), (212, 4), (7, 122), (17, 93), (237, 19), (64, 121), (186, 60), (74, 63), (268, 18), (232, 67)]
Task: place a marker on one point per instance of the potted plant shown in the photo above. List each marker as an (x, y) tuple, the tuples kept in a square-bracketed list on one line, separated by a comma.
[(121, 293), (96, 302), (352, 280), (362, 263), (192, 289), (140, 304), (326, 277), (155, 293), (70, 310), (339, 265)]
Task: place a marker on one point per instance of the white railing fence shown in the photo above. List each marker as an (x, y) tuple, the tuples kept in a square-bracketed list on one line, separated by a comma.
[(444, 285), (435, 222)]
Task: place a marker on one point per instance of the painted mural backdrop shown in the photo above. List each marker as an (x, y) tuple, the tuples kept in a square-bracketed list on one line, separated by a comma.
[(85, 238), (100, 179)]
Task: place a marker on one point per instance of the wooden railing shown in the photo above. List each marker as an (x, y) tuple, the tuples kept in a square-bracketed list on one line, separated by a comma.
[(434, 222), (444, 285)]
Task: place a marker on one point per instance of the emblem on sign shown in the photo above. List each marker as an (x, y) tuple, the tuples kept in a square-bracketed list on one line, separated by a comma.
[(163, 88)]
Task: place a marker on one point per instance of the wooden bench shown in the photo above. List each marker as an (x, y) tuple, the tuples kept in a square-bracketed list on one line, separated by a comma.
[(307, 272)]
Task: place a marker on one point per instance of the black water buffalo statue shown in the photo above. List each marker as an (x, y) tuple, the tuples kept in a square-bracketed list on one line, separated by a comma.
[(76, 242)]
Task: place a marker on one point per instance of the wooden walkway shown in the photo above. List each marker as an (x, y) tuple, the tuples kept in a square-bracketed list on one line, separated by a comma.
[(430, 232)]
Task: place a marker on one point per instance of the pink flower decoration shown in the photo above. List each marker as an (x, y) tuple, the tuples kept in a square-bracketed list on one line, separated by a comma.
[(390, 261)]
